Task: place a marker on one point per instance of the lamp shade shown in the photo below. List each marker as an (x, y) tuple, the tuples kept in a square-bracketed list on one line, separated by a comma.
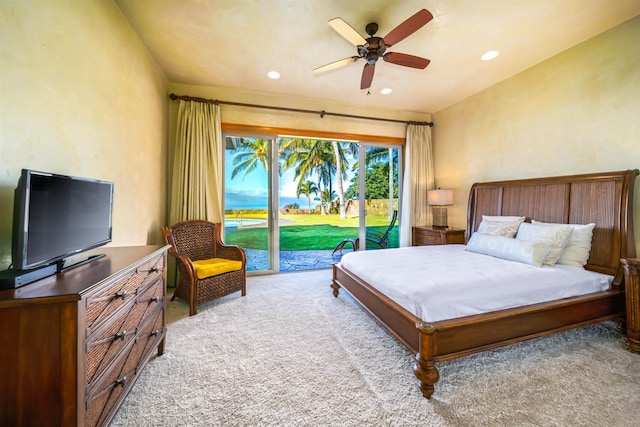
[(440, 197)]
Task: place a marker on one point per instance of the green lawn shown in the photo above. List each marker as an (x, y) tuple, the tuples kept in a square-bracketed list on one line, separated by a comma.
[(307, 232)]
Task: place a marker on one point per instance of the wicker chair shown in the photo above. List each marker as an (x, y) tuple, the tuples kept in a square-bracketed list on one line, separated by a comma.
[(198, 240)]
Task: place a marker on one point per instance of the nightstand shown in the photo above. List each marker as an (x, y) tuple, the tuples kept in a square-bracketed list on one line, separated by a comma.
[(424, 236)]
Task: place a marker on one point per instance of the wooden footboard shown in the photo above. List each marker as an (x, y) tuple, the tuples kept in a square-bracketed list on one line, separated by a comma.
[(605, 199), (449, 339)]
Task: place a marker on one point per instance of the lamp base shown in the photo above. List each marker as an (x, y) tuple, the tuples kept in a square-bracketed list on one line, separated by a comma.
[(439, 217)]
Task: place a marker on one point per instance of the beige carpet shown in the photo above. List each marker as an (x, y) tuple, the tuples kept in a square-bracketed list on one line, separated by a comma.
[(290, 354)]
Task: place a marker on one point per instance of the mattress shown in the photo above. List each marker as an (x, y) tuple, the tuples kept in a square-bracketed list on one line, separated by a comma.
[(445, 282)]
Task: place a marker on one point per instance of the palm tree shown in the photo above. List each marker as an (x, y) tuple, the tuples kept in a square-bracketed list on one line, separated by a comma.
[(326, 197), (309, 157), (307, 188), (250, 153)]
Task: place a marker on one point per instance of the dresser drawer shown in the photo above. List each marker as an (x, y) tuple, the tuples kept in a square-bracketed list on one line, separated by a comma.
[(152, 331), (104, 396), (109, 339), (149, 336), (105, 302)]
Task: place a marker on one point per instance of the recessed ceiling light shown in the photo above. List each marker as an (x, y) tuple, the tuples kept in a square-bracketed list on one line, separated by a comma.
[(273, 75), (488, 56), (386, 91)]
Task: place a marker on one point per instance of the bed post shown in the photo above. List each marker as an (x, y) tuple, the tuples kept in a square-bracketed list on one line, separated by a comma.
[(334, 283), (425, 367), (632, 292)]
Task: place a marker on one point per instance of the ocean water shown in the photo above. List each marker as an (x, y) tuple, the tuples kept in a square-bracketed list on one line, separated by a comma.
[(237, 202)]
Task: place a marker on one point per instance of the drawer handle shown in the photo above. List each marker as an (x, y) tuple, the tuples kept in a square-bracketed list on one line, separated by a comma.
[(154, 270), (156, 332), (122, 295), (121, 382), (155, 299), (120, 335)]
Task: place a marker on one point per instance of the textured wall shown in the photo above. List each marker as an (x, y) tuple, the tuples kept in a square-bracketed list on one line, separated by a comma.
[(577, 112), (81, 96)]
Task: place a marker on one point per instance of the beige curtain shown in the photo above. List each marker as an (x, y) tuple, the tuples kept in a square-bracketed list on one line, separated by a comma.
[(196, 181), (418, 178)]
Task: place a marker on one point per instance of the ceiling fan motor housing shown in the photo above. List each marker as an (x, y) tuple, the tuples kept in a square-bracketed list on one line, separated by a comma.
[(372, 50)]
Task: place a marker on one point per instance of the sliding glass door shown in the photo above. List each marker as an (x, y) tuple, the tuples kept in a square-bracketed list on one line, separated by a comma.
[(294, 203), (249, 206), (380, 201)]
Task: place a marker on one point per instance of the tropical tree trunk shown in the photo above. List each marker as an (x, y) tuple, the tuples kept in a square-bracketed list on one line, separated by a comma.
[(390, 183), (336, 150), (322, 211)]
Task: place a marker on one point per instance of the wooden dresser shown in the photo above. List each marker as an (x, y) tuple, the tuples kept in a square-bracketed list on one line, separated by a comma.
[(423, 236), (73, 344)]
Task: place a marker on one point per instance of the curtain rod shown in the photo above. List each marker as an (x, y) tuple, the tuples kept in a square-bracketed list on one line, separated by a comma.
[(322, 113)]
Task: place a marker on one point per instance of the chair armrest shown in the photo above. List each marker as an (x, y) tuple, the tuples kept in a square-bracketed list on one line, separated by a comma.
[(183, 262), (232, 252), (374, 234)]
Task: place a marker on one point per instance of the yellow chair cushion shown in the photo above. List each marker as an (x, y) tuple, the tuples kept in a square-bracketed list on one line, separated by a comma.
[(214, 266)]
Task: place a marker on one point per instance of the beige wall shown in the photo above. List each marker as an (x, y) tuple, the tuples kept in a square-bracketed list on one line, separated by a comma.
[(577, 112), (81, 96)]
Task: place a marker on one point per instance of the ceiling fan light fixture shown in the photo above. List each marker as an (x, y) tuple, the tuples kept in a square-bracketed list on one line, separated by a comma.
[(273, 75), (386, 91), (488, 56)]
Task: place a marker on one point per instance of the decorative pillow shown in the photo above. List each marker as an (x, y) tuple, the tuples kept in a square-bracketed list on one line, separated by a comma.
[(554, 236), (214, 266), (508, 248), (503, 218), (576, 253), (506, 226)]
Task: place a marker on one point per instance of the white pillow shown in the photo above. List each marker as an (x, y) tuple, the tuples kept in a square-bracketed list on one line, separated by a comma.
[(508, 248), (554, 236), (503, 218), (506, 226), (576, 253)]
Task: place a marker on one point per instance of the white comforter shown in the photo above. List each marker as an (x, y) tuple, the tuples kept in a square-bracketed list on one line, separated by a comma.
[(445, 282)]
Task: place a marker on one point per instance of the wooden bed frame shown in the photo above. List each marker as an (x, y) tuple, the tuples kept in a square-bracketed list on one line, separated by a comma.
[(603, 198)]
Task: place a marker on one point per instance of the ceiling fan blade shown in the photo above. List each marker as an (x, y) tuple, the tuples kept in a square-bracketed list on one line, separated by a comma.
[(336, 64), (408, 27), (406, 60), (347, 31), (367, 76)]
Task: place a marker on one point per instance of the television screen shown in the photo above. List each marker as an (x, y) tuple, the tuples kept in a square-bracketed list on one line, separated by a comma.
[(56, 216)]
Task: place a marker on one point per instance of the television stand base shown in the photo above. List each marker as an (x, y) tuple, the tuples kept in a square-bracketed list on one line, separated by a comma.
[(61, 268), (11, 279)]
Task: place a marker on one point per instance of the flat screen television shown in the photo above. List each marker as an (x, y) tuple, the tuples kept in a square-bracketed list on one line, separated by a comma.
[(57, 216)]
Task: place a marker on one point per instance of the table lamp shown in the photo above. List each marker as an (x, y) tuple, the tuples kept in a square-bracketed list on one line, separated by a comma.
[(438, 199)]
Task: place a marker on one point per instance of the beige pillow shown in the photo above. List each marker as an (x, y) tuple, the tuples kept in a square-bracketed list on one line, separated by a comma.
[(576, 253), (554, 236), (506, 226)]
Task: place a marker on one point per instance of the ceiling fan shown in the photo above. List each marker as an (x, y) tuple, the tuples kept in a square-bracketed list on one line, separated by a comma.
[(373, 48)]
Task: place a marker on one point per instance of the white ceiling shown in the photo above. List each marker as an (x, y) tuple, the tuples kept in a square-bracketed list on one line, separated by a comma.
[(234, 43)]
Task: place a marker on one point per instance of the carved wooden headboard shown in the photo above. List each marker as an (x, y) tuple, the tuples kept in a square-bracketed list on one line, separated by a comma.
[(603, 198)]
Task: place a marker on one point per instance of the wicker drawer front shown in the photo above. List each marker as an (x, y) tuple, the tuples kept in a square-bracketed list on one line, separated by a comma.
[(101, 305), (101, 400), (107, 341), (150, 334)]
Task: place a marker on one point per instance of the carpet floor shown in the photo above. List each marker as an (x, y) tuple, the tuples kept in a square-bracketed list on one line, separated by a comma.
[(290, 354)]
